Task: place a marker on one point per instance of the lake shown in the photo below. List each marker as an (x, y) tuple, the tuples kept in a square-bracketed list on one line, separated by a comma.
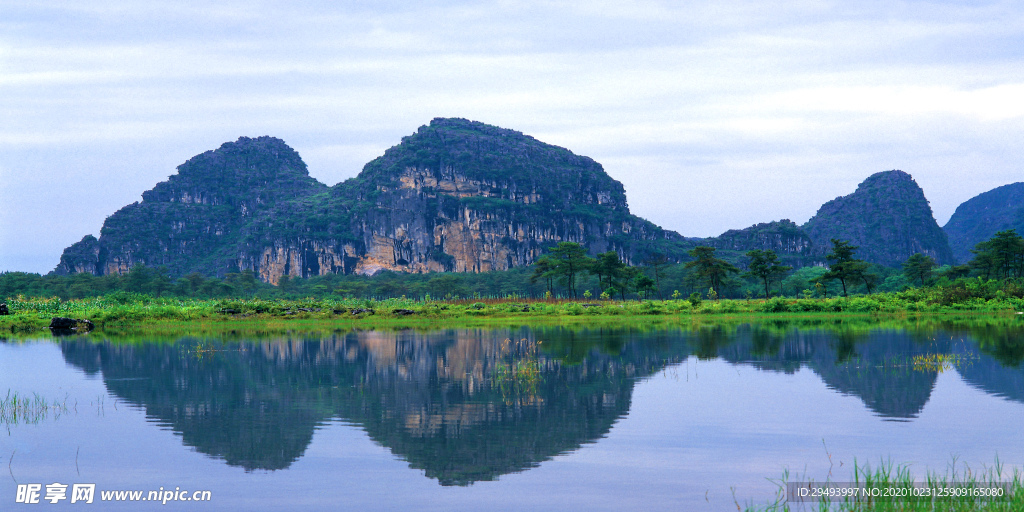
[(699, 417)]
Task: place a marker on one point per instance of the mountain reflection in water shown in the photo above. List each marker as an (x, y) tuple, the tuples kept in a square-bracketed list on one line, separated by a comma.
[(471, 405)]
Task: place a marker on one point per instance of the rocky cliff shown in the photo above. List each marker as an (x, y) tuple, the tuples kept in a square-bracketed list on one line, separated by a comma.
[(887, 216), (195, 221), (784, 237), (456, 195), (980, 217)]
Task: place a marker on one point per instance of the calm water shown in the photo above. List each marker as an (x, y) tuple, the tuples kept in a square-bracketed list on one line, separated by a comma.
[(552, 419)]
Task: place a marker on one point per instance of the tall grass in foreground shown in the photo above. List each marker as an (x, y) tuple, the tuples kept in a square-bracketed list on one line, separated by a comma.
[(21, 409), (969, 484)]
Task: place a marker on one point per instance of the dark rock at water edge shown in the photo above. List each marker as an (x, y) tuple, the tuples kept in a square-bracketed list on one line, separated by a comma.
[(63, 325), (4, 310)]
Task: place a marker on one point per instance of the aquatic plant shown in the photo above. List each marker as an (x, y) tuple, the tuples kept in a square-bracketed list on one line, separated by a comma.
[(517, 370), (992, 489), (17, 408)]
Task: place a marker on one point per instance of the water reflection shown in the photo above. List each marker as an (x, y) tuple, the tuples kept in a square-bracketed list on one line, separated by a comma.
[(471, 405)]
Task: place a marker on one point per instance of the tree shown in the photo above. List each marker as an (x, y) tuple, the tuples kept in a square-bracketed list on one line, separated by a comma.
[(443, 286), (544, 268), (570, 259), (644, 284), (194, 282), (138, 279), (608, 268), (625, 280), (843, 266), (919, 268), (657, 263), (710, 268), (955, 272), (765, 265), (1001, 256)]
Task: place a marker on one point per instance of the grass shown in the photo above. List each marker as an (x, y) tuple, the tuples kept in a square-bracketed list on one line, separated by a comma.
[(32, 315), (517, 371), (17, 408), (963, 491)]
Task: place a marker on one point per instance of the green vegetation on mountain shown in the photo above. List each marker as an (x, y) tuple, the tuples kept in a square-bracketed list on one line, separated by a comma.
[(462, 196), (455, 196), (783, 237), (196, 221), (887, 216), (980, 217)]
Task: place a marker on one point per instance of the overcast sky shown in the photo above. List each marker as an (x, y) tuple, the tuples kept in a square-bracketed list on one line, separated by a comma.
[(714, 115)]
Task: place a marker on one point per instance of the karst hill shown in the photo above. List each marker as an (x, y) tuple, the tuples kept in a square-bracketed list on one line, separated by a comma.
[(464, 196), (456, 195)]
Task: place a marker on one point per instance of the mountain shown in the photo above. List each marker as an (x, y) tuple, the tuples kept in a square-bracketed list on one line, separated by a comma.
[(456, 195), (887, 217), (464, 196), (784, 237), (436, 400), (980, 217), (194, 221)]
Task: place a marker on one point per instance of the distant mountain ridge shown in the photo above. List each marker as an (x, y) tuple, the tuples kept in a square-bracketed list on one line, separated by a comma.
[(980, 217), (784, 237), (887, 217), (457, 195), (464, 196), (196, 219)]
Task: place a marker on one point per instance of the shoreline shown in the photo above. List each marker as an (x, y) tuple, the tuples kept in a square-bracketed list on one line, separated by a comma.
[(208, 317)]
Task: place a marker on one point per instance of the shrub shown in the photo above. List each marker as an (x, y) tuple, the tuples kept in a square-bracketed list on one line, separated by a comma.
[(729, 306), (775, 305), (863, 305)]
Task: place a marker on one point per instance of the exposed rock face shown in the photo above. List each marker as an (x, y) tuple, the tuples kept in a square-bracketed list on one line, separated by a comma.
[(194, 221), (980, 217), (784, 237), (455, 196), (887, 216), (436, 400)]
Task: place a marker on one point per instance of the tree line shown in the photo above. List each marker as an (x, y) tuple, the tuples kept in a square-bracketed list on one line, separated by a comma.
[(567, 271)]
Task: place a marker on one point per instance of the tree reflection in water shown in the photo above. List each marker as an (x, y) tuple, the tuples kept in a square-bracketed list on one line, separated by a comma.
[(471, 405)]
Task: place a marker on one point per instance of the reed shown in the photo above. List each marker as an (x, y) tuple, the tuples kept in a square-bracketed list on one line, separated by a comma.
[(993, 489), (17, 408)]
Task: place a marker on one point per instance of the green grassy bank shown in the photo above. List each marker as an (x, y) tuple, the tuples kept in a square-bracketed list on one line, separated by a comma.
[(126, 311)]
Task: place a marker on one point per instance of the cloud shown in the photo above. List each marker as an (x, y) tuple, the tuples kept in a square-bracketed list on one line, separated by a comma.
[(714, 115)]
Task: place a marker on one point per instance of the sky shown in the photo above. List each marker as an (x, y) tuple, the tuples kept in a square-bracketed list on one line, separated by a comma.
[(714, 115)]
